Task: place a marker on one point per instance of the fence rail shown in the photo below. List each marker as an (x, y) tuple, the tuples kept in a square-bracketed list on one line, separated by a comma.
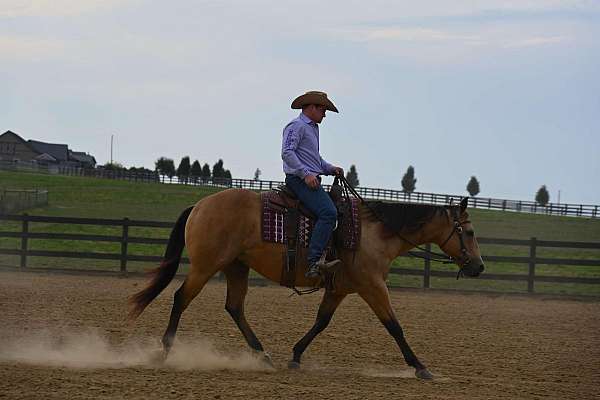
[(13, 201), (124, 256), (564, 209), (576, 210)]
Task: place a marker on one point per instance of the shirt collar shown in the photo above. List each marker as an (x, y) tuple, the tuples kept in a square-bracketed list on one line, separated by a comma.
[(306, 119)]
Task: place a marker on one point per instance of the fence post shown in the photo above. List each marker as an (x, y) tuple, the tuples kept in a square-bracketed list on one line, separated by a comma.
[(532, 256), (427, 271), (25, 232), (124, 239)]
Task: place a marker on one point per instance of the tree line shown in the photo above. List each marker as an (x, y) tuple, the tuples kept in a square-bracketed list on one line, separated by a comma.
[(409, 184), (192, 172)]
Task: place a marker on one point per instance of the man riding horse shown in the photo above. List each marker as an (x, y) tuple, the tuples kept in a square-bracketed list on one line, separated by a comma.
[(224, 232), (303, 166)]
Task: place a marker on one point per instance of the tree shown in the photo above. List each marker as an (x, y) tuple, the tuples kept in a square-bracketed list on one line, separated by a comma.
[(217, 170), (352, 176), (227, 177), (205, 172), (473, 186), (409, 180), (141, 170), (183, 171), (165, 166), (196, 171), (115, 166), (542, 197), (257, 174)]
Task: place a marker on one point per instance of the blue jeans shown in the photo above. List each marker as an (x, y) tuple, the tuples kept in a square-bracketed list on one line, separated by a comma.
[(320, 204)]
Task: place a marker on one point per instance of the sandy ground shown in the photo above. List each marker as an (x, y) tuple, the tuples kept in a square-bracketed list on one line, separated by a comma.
[(64, 336)]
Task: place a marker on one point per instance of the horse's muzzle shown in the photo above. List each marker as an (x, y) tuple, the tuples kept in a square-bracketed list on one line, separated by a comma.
[(473, 270)]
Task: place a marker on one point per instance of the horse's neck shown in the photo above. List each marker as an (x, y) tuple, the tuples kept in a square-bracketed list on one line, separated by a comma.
[(391, 245)]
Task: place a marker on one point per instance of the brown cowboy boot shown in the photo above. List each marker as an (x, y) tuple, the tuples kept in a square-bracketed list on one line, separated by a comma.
[(315, 269)]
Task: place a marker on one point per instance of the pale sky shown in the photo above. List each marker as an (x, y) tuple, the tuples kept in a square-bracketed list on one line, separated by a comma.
[(508, 91)]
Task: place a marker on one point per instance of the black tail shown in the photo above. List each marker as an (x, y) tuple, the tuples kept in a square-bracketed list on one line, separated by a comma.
[(163, 275)]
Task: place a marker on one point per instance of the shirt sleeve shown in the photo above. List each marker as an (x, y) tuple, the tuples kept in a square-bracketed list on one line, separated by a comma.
[(328, 168), (291, 139)]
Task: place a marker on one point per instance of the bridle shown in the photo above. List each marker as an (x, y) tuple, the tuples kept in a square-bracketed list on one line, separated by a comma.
[(464, 259)]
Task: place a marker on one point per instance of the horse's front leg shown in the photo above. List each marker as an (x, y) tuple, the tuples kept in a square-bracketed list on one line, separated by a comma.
[(378, 298), (328, 306)]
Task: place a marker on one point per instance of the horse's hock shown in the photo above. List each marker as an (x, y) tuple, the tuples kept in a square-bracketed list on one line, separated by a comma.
[(477, 346)]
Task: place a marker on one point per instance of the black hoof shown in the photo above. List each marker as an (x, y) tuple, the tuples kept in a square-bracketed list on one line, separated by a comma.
[(423, 374), (293, 365)]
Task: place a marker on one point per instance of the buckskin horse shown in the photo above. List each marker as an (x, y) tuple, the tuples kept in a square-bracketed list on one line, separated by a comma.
[(222, 232)]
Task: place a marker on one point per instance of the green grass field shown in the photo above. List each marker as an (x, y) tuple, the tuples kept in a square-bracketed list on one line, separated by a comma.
[(104, 198)]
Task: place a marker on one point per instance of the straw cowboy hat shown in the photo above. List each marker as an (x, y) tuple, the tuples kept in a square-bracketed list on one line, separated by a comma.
[(314, 97)]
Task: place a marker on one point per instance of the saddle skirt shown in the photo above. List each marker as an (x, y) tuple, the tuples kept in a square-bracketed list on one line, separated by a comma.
[(274, 204)]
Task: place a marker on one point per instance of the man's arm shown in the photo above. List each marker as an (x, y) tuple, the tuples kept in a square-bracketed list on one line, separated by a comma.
[(328, 168), (331, 169), (291, 139)]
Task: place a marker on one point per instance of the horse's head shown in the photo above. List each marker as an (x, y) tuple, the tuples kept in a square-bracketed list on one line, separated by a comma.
[(459, 242)]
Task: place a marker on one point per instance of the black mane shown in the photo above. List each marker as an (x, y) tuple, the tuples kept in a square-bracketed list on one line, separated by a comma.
[(403, 217)]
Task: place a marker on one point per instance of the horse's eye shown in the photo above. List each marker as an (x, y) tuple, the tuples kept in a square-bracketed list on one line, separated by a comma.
[(470, 233)]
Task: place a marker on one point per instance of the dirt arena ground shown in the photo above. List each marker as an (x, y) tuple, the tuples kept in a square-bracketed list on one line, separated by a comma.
[(64, 337)]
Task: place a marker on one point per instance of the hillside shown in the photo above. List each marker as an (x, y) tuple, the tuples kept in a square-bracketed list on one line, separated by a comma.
[(105, 198)]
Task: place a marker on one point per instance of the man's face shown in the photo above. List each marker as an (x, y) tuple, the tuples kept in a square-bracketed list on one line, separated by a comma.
[(316, 113)]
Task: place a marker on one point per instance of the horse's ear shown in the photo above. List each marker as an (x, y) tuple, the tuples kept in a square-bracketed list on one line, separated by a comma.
[(463, 204)]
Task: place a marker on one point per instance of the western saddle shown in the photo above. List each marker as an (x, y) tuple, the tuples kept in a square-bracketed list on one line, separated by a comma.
[(297, 226)]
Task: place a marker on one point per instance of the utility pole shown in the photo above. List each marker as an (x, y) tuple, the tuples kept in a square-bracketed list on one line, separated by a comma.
[(558, 196), (111, 149)]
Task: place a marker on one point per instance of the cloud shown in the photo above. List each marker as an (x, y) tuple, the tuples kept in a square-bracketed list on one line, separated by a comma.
[(401, 34), (536, 41), (22, 48), (53, 8)]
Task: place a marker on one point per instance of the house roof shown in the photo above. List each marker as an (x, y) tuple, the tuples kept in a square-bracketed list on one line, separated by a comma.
[(81, 157), (19, 138), (59, 151), (53, 151)]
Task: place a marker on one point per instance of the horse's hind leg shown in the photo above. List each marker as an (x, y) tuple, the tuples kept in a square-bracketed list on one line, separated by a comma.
[(190, 288), (329, 304), (378, 298), (237, 287)]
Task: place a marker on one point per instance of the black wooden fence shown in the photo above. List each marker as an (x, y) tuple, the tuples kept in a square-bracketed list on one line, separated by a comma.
[(575, 210), (124, 256)]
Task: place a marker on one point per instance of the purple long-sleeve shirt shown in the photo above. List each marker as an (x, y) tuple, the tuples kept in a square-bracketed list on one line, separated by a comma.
[(300, 149)]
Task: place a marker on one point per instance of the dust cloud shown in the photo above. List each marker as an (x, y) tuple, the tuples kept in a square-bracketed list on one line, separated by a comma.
[(92, 350)]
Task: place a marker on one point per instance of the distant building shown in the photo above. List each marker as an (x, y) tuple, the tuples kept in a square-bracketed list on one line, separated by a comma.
[(15, 149), (86, 160)]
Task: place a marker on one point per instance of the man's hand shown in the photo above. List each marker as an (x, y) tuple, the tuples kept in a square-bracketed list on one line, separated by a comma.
[(311, 181), (339, 171)]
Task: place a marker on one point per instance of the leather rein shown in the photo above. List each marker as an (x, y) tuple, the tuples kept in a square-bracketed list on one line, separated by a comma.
[(461, 261)]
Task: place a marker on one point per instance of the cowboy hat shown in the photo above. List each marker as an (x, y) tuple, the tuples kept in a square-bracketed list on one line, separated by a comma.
[(314, 97)]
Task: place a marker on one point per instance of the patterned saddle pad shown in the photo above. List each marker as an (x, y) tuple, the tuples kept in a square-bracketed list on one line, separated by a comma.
[(347, 234)]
